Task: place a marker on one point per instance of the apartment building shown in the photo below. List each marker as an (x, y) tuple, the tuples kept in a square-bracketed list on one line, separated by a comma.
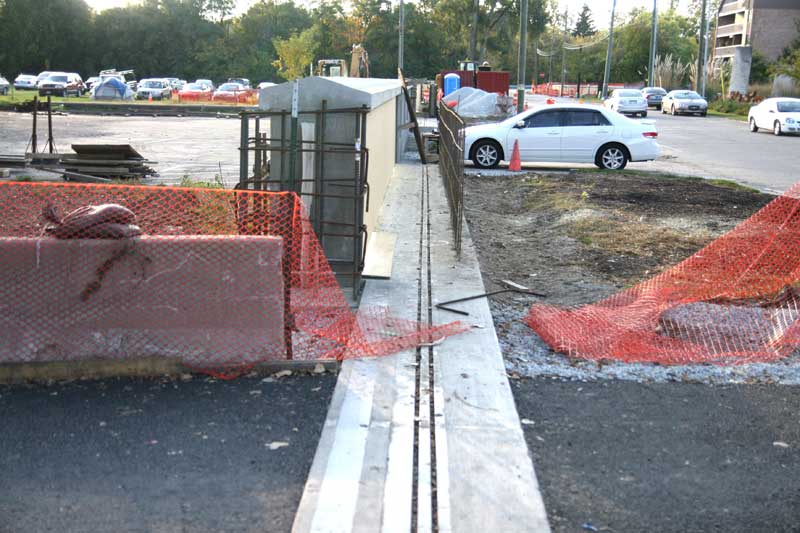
[(768, 26)]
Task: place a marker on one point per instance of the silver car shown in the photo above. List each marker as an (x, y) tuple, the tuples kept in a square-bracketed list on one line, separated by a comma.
[(3, 85), (627, 102), (684, 102), (654, 96)]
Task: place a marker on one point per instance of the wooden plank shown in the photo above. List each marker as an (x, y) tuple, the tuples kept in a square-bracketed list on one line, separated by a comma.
[(413, 114), (108, 150), (380, 255)]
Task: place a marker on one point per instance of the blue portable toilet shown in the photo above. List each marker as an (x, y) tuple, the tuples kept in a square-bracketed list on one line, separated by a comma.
[(452, 82)]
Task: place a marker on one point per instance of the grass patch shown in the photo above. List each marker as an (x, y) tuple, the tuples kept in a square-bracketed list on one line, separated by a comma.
[(732, 185), (619, 236), (191, 183), (732, 116), (549, 196)]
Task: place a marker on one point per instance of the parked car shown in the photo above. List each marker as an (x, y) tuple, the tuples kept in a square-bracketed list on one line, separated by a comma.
[(564, 133), (155, 88), (4, 85), (43, 76), (207, 83), (25, 82), (176, 83), (195, 92), (265, 84), (781, 115), (243, 81), (91, 82), (233, 93), (682, 101), (62, 84), (654, 95), (627, 102)]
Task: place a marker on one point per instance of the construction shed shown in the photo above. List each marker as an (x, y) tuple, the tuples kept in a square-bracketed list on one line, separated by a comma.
[(349, 134)]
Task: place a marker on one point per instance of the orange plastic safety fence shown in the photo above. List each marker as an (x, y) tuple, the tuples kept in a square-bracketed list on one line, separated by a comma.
[(735, 301), (220, 279)]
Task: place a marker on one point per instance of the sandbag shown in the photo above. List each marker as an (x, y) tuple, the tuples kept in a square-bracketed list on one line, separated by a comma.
[(105, 221)]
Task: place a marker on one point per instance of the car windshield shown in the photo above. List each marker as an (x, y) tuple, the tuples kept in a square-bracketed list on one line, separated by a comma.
[(789, 107), (629, 94), (60, 79), (194, 87), (152, 84), (687, 95), (230, 87)]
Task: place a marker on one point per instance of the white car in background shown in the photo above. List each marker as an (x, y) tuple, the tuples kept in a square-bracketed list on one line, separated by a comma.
[(627, 102), (568, 133), (25, 82), (781, 115), (4, 85), (680, 102)]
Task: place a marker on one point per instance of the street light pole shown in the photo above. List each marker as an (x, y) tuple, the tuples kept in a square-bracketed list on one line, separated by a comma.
[(651, 78), (608, 53), (523, 55), (400, 38), (564, 53)]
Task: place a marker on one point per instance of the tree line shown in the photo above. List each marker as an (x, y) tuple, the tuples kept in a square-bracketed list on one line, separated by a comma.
[(199, 38)]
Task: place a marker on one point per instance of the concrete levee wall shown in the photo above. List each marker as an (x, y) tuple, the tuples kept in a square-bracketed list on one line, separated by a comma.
[(381, 135), (206, 300)]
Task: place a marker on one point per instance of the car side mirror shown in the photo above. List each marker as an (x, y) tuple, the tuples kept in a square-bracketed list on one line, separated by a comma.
[(520, 124), (771, 110)]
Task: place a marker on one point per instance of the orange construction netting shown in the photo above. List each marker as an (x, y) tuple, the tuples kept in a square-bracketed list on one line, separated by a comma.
[(220, 279), (735, 301)]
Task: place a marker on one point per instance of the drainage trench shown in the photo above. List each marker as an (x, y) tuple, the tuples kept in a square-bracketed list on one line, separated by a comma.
[(424, 513)]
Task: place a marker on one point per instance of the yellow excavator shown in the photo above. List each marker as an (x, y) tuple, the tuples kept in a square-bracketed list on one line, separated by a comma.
[(359, 65)]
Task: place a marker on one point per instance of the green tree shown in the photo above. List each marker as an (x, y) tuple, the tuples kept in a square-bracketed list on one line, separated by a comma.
[(295, 54), (584, 27)]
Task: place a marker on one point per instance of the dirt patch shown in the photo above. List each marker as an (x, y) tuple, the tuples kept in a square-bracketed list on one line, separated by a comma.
[(581, 236), (602, 231)]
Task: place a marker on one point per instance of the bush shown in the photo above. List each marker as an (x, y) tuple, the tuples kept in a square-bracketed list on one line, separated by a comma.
[(730, 107)]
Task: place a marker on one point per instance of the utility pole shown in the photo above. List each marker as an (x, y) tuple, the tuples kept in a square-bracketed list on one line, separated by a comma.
[(705, 56), (473, 38), (400, 39), (564, 53), (523, 53), (701, 51), (651, 78), (608, 52)]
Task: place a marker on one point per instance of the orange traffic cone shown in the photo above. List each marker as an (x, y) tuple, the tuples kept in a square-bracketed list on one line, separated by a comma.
[(150, 97), (515, 165)]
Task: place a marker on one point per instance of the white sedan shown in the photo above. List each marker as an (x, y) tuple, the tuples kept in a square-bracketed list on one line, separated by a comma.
[(564, 133), (627, 101), (781, 115)]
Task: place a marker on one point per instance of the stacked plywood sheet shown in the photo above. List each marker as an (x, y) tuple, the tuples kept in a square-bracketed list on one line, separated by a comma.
[(108, 161)]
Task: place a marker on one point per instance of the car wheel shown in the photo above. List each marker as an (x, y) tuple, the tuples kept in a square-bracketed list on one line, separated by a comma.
[(753, 126), (704, 113), (663, 110), (658, 107), (486, 154), (776, 128), (672, 111), (644, 115), (612, 157)]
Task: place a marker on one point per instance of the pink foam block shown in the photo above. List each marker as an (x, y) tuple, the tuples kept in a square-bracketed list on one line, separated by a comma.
[(205, 299)]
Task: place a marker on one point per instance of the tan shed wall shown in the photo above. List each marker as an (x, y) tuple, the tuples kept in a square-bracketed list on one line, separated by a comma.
[(381, 136)]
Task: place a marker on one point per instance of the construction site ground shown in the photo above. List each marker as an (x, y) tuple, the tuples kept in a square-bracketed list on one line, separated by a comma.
[(191, 454), (624, 447)]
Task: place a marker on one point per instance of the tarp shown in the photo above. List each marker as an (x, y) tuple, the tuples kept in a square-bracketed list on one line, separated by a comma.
[(112, 89)]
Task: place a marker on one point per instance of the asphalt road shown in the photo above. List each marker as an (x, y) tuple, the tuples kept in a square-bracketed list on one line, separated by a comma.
[(673, 457), (158, 455), (716, 147)]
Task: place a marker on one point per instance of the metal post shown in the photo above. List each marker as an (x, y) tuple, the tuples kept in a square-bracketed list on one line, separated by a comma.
[(400, 38), (564, 53), (523, 53), (473, 38), (35, 113), (701, 65), (50, 123), (293, 137), (243, 147), (651, 76), (608, 52)]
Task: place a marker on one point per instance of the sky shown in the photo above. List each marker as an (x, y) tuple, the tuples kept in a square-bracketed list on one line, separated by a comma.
[(601, 9)]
